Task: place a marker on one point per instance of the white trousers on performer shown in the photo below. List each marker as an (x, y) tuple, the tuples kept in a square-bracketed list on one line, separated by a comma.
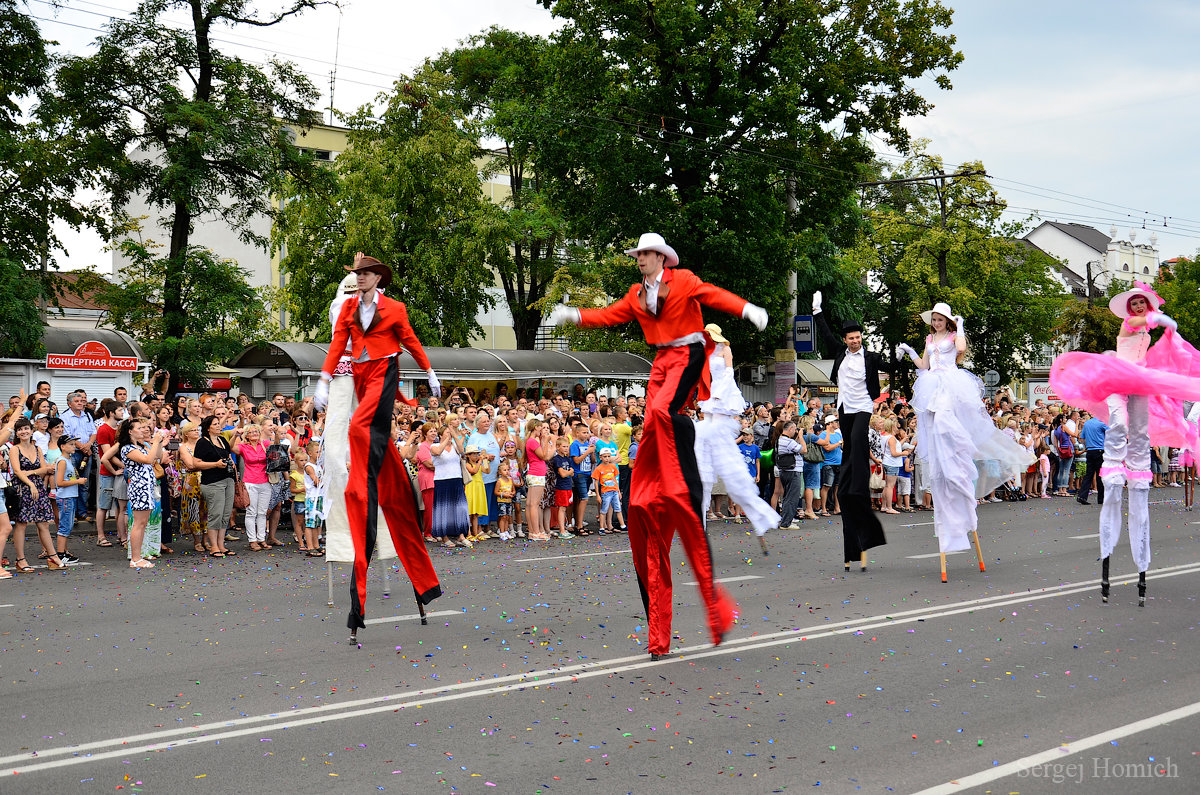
[(336, 474), (718, 457), (1127, 460)]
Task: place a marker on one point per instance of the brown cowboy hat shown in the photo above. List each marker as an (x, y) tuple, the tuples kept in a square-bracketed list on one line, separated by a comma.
[(370, 264)]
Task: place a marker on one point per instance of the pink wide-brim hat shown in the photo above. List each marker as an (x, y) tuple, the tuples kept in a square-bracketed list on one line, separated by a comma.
[(1119, 305)]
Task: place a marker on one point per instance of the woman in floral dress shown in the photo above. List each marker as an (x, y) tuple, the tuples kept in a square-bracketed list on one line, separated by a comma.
[(193, 512)]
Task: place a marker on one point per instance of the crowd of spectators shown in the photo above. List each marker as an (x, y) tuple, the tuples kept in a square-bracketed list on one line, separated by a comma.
[(199, 471)]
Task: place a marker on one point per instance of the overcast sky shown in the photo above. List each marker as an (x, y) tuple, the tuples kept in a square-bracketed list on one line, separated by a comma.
[(1081, 110)]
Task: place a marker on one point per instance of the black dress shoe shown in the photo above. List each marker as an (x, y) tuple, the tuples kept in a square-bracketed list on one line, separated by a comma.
[(657, 657), (1082, 502)]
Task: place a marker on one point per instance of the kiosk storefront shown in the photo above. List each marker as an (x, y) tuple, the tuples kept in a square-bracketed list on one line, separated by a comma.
[(95, 360)]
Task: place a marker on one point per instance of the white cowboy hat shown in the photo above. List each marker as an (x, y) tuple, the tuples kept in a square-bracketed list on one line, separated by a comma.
[(940, 308), (714, 331), (652, 241), (349, 284), (1119, 305)]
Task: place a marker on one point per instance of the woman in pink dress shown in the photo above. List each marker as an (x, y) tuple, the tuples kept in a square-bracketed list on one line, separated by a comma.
[(1140, 391)]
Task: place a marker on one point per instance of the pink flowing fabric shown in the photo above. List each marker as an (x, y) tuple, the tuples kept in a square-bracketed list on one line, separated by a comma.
[(1169, 376)]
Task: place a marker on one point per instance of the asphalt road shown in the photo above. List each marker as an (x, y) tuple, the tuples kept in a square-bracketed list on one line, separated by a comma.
[(532, 676)]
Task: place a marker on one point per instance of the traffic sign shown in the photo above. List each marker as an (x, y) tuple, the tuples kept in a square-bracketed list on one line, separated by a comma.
[(802, 333), (991, 378)]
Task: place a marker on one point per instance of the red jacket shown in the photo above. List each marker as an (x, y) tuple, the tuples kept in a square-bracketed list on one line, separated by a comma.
[(680, 295), (389, 333)]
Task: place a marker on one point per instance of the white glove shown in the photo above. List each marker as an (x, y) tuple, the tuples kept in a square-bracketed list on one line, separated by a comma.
[(1158, 319), (756, 315), (817, 302), (958, 321), (435, 386), (321, 397), (908, 351), (562, 314)]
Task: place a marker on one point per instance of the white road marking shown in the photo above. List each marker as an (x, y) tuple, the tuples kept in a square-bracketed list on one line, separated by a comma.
[(7, 605), (1089, 535), (918, 524), (161, 740), (390, 619), (1061, 751), (729, 579), (936, 554), (580, 555)]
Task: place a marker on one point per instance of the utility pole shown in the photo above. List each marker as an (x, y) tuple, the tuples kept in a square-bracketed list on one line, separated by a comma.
[(793, 306)]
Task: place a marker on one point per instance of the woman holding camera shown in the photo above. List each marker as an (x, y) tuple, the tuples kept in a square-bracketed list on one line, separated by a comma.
[(214, 459)]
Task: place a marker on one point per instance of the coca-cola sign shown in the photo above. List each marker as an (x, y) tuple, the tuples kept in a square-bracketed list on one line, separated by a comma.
[(91, 355)]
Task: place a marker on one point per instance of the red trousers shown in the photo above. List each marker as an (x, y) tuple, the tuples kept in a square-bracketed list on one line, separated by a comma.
[(665, 497), (378, 480)]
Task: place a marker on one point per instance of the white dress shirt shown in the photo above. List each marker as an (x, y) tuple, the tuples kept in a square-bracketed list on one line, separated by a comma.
[(652, 293), (853, 396), (366, 311)]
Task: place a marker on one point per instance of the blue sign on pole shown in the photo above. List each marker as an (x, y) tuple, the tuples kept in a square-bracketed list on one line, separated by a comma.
[(802, 333)]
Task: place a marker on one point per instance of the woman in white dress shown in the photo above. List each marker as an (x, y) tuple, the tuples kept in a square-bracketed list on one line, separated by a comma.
[(717, 454), (966, 454)]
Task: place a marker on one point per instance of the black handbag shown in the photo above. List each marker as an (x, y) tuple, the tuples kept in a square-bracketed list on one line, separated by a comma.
[(12, 500), (278, 459)]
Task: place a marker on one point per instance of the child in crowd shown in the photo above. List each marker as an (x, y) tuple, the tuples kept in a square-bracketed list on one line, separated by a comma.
[(314, 502), (904, 481), (751, 456), (564, 486), (519, 489), (297, 495), (635, 438), (67, 483), (607, 479), (1043, 463), (506, 493), (476, 492)]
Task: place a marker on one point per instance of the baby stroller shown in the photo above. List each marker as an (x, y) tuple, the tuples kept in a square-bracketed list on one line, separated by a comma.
[(1010, 493)]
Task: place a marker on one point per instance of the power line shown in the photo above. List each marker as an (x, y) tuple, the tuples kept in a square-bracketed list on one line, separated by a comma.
[(1182, 226)]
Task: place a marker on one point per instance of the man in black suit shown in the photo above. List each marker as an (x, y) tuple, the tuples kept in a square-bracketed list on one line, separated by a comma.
[(856, 373)]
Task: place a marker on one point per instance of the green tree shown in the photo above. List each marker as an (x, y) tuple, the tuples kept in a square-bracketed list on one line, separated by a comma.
[(223, 313), (692, 120), (497, 76), (1179, 285), (406, 190), (943, 240), (198, 133), (1088, 325), (42, 170)]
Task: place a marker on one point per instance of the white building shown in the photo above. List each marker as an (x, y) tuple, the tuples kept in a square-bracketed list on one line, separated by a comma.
[(1082, 249)]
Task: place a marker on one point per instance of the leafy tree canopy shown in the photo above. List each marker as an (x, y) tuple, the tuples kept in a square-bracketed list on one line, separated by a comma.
[(406, 191), (224, 314), (943, 240), (198, 133), (692, 120)]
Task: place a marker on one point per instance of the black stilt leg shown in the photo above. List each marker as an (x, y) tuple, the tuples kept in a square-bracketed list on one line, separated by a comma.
[(1104, 581), (1141, 589), (354, 636), (420, 607)]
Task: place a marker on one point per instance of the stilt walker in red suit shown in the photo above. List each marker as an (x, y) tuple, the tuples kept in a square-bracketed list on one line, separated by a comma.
[(377, 330), (665, 489)]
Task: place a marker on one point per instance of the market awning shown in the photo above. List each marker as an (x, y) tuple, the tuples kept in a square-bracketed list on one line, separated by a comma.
[(306, 358)]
